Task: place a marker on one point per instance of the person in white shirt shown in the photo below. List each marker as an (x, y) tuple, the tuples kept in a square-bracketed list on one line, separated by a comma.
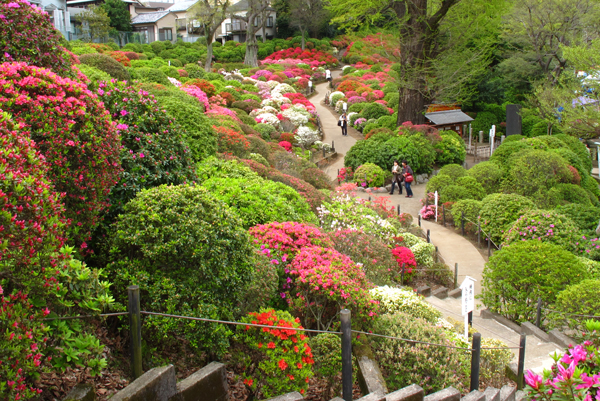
[(328, 76)]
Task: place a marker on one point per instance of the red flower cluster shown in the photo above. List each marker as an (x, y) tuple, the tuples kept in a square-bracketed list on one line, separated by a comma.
[(204, 86), (73, 131), (404, 256), (231, 141), (312, 57)]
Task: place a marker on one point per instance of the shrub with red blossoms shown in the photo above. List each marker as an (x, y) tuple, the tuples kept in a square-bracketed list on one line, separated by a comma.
[(153, 151), (231, 142), (274, 361), (204, 85), (27, 34), (289, 237), (286, 145), (325, 282), (31, 217), (193, 90), (22, 336), (404, 256), (73, 131)]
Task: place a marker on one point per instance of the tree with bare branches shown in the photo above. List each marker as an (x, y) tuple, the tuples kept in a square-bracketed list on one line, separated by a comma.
[(211, 14), (307, 16)]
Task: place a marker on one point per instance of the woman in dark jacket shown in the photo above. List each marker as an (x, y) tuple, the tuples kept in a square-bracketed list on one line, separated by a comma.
[(407, 171), (396, 177)]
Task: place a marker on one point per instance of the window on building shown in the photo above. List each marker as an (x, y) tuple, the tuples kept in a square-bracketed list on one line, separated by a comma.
[(256, 21), (270, 22), (228, 27), (165, 34)]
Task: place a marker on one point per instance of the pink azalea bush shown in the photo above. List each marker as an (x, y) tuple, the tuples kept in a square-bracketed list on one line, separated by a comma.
[(193, 90), (289, 237), (575, 375), (325, 282)]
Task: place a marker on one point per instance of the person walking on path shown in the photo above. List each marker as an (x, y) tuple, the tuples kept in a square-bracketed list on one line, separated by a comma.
[(343, 122), (407, 173), (328, 76), (396, 177)]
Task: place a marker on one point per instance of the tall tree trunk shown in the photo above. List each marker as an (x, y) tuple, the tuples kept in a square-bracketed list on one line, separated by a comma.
[(411, 106), (209, 51), (302, 32), (251, 58)]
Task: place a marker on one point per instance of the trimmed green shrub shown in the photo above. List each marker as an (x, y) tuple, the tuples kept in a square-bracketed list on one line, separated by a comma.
[(374, 111), (266, 130), (483, 122), (471, 209), (261, 286), (194, 71), (439, 183), (150, 75), (214, 167), (519, 274), (572, 193), (474, 188), (591, 185), (369, 175), (544, 226), (170, 71), (454, 171), (572, 159), (513, 138), (170, 240), (197, 130), (534, 172), (403, 364), (451, 149), (260, 201), (260, 159), (586, 218), (488, 174), (577, 299), (317, 178), (503, 153), (453, 193), (578, 148), (500, 211), (94, 75), (328, 360), (107, 64)]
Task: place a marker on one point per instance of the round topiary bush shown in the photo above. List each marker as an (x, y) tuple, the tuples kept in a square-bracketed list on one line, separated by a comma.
[(74, 133), (577, 299), (310, 193), (544, 226), (150, 75), (470, 208), (454, 171), (500, 211), (317, 178), (572, 193), (328, 360), (394, 300), (488, 174), (403, 363), (519, 274), (31, 216), (260, 201), (585, 217), (374, 111), (503, 152), (474, 188), (453, 193), (369, 175), (439, 183), (451, 149), (170, 240), (198, 132), (107, 64), (533, 172), (153, 149), (28, 35)]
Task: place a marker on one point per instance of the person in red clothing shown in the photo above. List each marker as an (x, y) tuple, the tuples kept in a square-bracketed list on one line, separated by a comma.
[(407, 173)]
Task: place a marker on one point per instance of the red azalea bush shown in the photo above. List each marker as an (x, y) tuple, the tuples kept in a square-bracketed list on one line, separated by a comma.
[(286, 137), (27, 34), (274, 361), (310, 193), (204, 86), (312, 57), (153, 150), (404, 256), (73, 131), (289, 237), (132, 56), (121, 57), (286, 145), (325, 282), (23, 337), (231, 142), (31, 216)]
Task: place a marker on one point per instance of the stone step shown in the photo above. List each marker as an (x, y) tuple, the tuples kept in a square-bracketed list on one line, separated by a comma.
[(507, 393), (447, 394), (474, 395), (492, 394)]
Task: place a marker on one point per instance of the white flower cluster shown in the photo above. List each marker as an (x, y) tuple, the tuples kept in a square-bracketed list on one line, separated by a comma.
[(393, 300), (174, 82), (268, 118), (306, 136), (280, 89), (346, 66), (322, 145), (264, 110), (332, 94), (410, 240), (423, 253), (297, 114), (339, 106)]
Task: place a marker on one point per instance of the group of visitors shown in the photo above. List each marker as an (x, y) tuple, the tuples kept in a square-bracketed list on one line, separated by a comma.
[(402, 174)]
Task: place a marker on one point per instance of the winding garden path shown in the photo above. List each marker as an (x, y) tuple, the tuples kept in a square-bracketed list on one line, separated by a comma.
[(452, 246)]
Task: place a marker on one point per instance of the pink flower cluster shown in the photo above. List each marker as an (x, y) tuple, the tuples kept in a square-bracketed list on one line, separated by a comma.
[(289, 237)]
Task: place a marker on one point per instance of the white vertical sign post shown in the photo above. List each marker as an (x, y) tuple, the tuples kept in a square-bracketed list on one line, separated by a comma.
[(345, 106), (492, 138), (468, 300), (436, 205)]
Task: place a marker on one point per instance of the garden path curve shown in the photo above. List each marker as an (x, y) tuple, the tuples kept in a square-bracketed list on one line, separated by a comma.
[(452, 246)]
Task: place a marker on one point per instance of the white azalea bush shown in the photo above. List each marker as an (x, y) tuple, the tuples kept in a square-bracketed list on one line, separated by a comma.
[(268, 118), (337, 95), (393, 300), (297, 114), (339, 106), (281, 89), (306, 136), (344, 212), (322, 145), (423, 253), (410, 240)]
